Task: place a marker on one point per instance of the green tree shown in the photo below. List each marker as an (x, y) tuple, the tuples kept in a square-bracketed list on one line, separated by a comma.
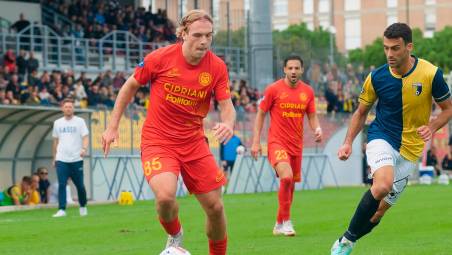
[(237, 38), (436, 50), (298, 39)]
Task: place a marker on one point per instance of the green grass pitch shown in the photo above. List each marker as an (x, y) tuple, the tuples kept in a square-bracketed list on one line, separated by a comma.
[(421, 223)]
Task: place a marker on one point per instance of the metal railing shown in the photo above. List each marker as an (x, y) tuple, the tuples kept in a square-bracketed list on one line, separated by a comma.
[(51, 17), (116, 51), (123, 172)]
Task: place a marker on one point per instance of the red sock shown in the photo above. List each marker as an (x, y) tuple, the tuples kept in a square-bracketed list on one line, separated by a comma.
[(292, 189), (173, 227), (218, 247), (284, 198)]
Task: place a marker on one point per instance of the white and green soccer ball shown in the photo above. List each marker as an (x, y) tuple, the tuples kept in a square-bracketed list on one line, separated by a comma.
[(175, 251)]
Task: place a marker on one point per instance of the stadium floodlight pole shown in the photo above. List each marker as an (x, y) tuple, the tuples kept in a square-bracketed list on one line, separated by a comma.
[(332, 31)]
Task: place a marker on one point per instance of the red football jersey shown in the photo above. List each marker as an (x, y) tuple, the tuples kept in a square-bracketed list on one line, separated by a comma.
[(180, 94), (287, 107)]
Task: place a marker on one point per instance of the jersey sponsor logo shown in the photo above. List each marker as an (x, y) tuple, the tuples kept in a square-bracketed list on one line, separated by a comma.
[(417, 86), (283, 95), (184, 91), (205, 79), (180, 100), (173, 72), (303, 97), (292, 114), (292, 106)]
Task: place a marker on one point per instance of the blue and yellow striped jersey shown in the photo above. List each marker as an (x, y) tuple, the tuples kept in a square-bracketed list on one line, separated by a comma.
[(404, 104)]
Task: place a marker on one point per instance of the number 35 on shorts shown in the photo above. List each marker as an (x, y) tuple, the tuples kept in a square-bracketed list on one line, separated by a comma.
[(153, 165), (280, 154)]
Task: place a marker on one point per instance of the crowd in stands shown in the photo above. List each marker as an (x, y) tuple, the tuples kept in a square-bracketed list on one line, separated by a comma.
[(21, 83), (95, 19), (339, 88)]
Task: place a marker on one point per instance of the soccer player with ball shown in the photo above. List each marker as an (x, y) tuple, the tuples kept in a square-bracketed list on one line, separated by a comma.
[(183, 76), (404, 88), (288, 100)]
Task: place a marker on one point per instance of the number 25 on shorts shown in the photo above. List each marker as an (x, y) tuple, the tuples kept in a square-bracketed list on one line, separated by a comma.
[(153, 165), (281, 154)]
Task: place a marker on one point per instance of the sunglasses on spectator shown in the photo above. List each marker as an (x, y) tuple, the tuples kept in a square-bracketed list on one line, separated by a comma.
[(45, 173)]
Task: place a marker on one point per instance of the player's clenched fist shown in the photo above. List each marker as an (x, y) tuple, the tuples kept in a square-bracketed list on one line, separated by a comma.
[(425, 133), (344, 151), (223, 132)]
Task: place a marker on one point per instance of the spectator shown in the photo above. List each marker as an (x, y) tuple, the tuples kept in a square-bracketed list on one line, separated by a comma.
[(9, 61), (2, 96), (432, 160), (18, 194), (34, 194), (44, 184), (10, 98), (228, 154), (118, 81), (33, 79), (33, 99), (94, 97), (447, 161), (79, 92), (45, 97), (32, 63), (21, 24), (21, 63), (331, 98)]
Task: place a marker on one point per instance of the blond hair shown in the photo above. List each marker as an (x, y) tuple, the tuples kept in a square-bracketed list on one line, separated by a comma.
[(190, 18)]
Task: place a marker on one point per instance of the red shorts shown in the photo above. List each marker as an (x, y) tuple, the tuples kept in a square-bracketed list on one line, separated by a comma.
[(278, 153), (195, 163)]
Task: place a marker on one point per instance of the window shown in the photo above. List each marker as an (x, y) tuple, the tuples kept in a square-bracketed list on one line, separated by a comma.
[(308, 6), (280, 26), (391, 19), (391, 3), (280, 8), (430, 23), (310, 25), (324, 21), (352, 5), (324, 6), (352, 33)]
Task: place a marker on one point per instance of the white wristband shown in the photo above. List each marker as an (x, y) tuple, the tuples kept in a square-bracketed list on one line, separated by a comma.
[(318, 130)]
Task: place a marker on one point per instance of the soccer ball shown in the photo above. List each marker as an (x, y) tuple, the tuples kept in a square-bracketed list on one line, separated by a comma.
[(240, 150), (175, 251)]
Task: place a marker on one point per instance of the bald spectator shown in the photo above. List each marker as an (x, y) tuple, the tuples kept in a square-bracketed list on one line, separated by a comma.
[(21, 24)]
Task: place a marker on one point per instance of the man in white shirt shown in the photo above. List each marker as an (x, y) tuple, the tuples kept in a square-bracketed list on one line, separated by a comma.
[(70, 145)]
